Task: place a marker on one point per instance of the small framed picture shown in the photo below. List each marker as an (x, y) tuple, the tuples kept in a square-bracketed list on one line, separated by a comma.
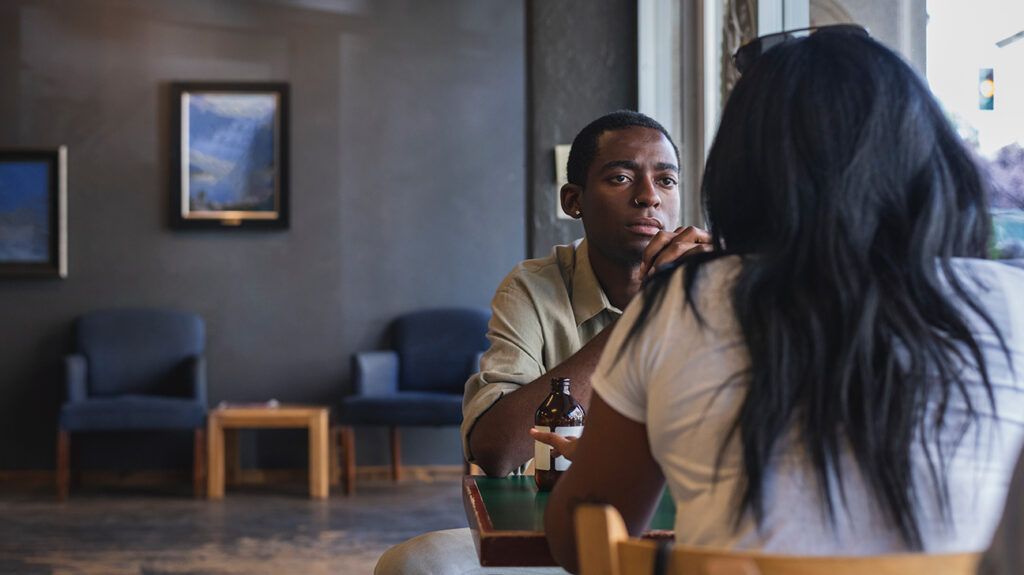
[(229, 155), (33, 213)]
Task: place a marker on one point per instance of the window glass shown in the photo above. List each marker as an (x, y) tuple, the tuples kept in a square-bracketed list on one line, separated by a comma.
[(975, 66)]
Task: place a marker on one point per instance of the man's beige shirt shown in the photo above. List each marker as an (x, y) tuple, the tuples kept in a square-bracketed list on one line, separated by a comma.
[(544, 311)]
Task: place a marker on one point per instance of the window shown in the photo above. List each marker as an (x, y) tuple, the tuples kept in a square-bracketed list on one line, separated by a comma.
[(975, 55)]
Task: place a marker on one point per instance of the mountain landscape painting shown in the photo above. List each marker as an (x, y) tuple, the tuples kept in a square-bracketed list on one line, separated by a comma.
[(232, 164)]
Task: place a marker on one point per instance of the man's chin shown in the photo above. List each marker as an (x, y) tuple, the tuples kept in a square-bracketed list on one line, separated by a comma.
[(637, 246), (632, 254), (627, 252)]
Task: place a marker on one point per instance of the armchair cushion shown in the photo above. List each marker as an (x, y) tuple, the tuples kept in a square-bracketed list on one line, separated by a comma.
[(438, 348), (138, 351), (404, 408), (132, 412)]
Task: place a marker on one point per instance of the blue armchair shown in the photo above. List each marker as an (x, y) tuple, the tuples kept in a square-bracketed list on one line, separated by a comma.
[(418, 383), (134, 369)]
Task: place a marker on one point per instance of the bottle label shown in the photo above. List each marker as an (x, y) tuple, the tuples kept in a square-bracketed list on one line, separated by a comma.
[(542, 459)]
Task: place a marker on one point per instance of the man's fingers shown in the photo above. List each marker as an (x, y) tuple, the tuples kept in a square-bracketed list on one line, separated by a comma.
[(552, 439), (693, 235), (675, 252), (562, 446), (698, 249), (667, 247), (655, 246), (658, 244)]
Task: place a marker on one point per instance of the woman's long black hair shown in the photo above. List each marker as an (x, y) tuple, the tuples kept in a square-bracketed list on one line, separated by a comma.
[(838, 180)]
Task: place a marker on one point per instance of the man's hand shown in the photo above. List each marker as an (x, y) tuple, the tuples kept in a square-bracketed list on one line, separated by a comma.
[(564, 446), (667, 247)]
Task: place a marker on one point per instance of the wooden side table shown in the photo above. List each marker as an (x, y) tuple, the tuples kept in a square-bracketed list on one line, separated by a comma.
[(313, 418)]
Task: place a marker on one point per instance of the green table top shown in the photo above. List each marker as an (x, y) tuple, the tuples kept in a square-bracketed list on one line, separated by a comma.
[(514, 504)]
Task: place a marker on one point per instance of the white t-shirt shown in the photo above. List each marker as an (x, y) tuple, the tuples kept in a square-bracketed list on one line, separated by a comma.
[(678, 379)]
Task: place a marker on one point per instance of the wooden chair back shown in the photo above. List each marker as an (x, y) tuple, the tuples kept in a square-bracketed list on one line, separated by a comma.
[(605, 548)]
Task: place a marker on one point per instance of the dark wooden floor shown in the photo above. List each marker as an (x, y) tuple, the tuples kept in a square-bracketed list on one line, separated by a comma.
[(254, 530)]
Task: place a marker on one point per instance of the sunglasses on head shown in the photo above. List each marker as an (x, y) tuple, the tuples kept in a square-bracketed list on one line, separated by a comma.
[(748, 53)]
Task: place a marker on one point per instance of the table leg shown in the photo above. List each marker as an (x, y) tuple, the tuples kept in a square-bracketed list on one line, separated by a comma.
[(63, 464), (348, 447), (319, 482), (215, 458), (332, 453), (233, 457), (198, 461), (396, 455)]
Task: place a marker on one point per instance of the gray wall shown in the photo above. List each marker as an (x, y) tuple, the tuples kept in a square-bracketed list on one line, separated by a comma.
[(582, 64), (407, 144)]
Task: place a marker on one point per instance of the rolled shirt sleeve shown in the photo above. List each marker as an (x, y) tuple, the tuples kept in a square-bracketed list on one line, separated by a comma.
[(513, 359), (543, 312)]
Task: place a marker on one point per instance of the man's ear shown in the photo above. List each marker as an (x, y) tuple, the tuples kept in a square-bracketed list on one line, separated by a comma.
[(572, 203)]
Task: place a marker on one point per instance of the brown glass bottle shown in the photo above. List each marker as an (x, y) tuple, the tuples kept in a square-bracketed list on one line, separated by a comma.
[(562, 414)]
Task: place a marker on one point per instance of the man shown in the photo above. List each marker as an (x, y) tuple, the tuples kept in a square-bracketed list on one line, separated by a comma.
[(550, 315)]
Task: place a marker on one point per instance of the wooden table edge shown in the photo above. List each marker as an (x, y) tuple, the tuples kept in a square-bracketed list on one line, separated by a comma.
[(486, 537), (280, 409), (471, 501), (474, 503)]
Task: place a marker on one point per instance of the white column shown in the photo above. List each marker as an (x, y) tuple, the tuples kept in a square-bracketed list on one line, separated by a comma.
[(778, 15), (711, 36), (658, 62), (796, 14)]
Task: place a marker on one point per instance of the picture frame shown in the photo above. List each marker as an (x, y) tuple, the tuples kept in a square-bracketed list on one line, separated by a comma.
[(33, 213), (229, 155)]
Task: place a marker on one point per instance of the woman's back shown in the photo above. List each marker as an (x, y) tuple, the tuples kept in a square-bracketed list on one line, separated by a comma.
[(687, 381)]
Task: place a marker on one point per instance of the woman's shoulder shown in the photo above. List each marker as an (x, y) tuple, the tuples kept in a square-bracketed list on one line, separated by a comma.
[(711, 291), (997, 285), (1012, 266), (1005, 274), (712, 276)]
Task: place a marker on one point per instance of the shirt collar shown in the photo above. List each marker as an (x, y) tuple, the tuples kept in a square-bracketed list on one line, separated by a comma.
[(588, 299)]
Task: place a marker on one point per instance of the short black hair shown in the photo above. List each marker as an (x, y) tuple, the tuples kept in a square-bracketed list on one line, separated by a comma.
[(584, 146)]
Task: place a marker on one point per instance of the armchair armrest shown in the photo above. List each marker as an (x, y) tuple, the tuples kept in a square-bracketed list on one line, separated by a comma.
[(375, 372), (195, 377), (75, 370)]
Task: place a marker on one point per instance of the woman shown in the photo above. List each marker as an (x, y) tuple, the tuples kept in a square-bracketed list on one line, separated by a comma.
[(825, 380)]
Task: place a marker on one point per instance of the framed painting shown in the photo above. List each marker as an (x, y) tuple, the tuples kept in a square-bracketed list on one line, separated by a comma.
[(229, 155), (33, 213)]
